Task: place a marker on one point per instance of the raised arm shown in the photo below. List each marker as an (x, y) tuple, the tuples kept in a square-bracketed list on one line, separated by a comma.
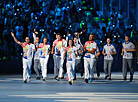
[(79, 41), (67, 36), (18, 42), (34, 37)]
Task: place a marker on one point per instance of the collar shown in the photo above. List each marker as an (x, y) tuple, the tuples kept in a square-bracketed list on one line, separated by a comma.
[(126, 43), (45, 44), (76, 44), (91, 41), (60, 40), (38, 44), (27, 43), (109, 45), (69, 47)]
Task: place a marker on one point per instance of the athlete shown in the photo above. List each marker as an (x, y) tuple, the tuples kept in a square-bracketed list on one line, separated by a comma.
[(55, 61), (108, 52), (78, 58), (44, 56), (89, 57), (71, 60), (27, 57), (37, 65), (128, 48), (58, 49)]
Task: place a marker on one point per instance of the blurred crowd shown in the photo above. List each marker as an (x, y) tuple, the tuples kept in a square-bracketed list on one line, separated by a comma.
[(49, 17)]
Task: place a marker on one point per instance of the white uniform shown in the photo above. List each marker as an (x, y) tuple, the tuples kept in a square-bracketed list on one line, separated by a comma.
[(89, 59), (78, 58), (59, 56), (78, 46), (44, 58), (71, 60), (27, 60)]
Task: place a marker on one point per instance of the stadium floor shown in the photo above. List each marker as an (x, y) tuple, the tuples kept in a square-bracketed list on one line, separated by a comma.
[(12, 89)]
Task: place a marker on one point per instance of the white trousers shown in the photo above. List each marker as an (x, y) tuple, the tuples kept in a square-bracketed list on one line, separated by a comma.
[(71, 69), (89, 66), (43, 62), (27, 63), (60, 62)]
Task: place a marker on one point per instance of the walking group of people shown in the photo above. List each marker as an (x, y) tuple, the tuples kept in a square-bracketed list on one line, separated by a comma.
[(73, 49)]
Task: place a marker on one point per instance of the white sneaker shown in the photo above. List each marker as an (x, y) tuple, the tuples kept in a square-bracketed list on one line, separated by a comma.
[(29, 79), (44, 79)]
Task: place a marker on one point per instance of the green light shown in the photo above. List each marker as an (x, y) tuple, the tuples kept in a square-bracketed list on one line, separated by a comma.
[(85, 8), (103, 19), (109, 19), (59, 2), (91, 8), (2, 9), (110, 5), (5, 58), (96, 19), (88, 13), (81, 25), (131, 34), (83, 2)]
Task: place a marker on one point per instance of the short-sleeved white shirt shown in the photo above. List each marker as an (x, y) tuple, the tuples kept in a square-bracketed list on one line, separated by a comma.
[(44, 50), (90, 46), (59, 46), (71, 51), (27, 50), (107, 49), (128, 54)]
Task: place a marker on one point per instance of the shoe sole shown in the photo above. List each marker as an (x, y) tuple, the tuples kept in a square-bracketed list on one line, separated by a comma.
[(57, 79)]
